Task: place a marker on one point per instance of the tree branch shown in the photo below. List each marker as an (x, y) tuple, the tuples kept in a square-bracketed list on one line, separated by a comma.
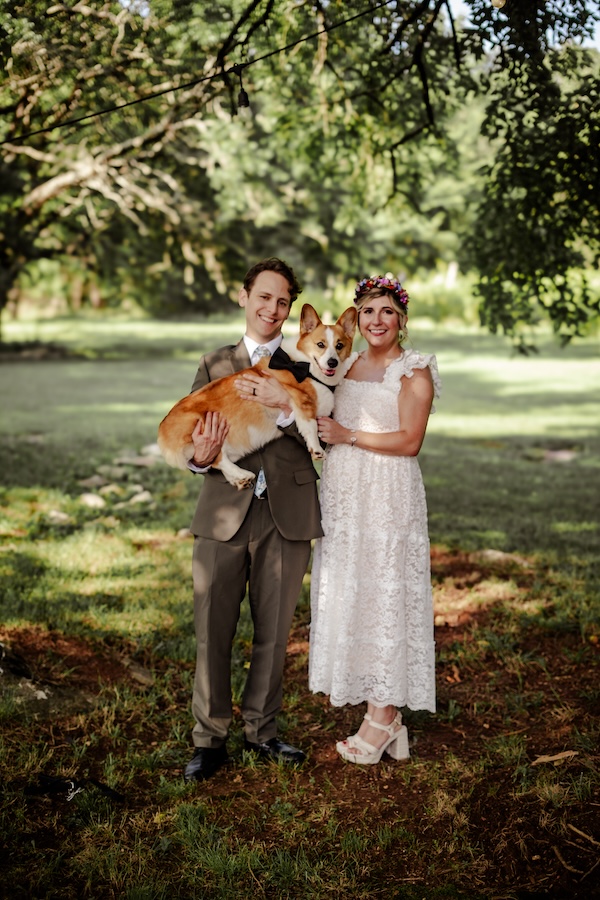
[(455, 42), (229, 43)]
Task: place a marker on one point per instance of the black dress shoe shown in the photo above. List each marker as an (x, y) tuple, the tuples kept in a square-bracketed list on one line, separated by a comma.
[(277, 751), (205, 762)]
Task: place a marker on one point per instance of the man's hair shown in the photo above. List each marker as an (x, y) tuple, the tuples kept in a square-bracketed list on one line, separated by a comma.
[(273, 264)]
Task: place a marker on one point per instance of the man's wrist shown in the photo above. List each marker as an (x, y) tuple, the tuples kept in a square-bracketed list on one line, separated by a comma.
[(203, 466)]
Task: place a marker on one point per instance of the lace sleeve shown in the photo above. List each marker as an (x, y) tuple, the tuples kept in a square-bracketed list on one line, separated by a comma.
[(412, 360)]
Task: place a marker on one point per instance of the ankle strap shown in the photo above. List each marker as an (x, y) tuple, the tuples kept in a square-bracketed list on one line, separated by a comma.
[(397, 720)]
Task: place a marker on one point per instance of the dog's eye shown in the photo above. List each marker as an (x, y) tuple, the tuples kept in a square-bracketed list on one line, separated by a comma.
[(339, 346), (321, 344)]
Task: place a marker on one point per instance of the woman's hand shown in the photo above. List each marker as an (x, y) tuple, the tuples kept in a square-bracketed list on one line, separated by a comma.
[(264, 389), (208, 439), (331, 432)]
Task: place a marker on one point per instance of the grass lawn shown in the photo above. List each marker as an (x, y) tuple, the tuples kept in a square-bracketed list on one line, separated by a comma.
[(501, 795)]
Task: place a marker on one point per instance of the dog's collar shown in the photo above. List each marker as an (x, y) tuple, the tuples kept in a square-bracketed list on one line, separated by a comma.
[(281, 360), (330, 387), (300, 370)]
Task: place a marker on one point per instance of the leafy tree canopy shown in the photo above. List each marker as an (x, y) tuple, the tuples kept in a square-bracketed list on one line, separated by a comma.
[(354, 130)]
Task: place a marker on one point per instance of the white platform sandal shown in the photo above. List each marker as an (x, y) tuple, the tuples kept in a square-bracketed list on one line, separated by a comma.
[(355, 749)]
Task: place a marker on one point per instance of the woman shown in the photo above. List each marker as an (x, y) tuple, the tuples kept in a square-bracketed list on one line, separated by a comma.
[(371, 606)]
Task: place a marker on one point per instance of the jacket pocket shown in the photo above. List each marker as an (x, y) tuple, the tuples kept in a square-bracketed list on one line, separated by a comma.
[(305, 476)]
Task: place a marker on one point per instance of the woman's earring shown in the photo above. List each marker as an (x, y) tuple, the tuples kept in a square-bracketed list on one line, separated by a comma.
[(402, 335)]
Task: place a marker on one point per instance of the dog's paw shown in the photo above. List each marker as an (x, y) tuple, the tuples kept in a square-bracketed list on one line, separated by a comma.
[(317, 454), (243, 483)]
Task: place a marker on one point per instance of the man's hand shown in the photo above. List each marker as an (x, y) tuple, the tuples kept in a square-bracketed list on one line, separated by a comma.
[(208, 439), (264, 389)]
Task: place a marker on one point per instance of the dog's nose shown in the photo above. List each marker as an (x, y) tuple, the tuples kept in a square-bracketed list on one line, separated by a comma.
[(332, 363)]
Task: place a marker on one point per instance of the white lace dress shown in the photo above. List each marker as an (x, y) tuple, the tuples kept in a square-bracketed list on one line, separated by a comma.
[(371, 633)]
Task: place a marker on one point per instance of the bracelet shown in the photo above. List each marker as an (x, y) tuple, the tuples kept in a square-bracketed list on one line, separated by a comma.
[(352, 438)]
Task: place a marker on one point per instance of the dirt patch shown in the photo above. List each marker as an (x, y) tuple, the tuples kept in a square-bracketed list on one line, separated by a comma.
[(53, 672), (55, 658)]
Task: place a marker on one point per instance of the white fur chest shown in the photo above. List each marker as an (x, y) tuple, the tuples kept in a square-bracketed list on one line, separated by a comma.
[(324, 399)]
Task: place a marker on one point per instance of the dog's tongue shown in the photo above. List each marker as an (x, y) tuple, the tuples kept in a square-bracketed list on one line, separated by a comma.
[(329, 372)]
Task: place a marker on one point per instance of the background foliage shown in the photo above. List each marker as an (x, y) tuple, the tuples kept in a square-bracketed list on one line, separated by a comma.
[(402, 140)]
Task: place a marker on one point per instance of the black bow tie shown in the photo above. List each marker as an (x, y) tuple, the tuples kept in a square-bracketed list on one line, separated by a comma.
[(281, 360)]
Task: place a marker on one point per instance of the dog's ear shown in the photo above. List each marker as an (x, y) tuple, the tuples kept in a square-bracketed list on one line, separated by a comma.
[(348, 320), (309, 319)]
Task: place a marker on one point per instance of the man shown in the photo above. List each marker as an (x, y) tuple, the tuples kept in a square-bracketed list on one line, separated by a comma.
[(257, 538)]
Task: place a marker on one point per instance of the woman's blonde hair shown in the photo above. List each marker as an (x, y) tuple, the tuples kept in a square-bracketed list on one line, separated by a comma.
[(379, 292)]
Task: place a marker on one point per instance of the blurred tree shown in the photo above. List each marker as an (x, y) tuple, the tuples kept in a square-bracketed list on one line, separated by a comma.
[(538, 221), (342, 166), (110, 188)]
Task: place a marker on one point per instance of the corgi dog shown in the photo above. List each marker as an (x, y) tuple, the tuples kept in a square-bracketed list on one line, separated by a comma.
[(320, 352)]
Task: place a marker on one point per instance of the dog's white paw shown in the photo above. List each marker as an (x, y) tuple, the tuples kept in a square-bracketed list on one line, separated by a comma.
[(243, 483), (317, 454)]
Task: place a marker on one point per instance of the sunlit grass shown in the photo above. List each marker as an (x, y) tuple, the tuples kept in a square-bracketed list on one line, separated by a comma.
[(115, 334), (488, 390)]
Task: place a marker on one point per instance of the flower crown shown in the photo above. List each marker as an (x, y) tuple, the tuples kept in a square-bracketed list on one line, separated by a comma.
[(386, 283)]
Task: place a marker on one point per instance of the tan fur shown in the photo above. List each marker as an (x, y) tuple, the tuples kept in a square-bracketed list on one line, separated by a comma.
[(252, 425)]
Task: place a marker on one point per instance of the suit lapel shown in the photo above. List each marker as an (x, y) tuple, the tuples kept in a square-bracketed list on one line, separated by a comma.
[(239, 357)]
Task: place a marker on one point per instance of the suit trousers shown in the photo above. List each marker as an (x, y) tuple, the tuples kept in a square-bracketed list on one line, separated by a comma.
[(273, 568)]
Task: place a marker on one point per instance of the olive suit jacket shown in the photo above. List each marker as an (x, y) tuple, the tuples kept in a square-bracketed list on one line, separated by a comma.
[(289, 472)]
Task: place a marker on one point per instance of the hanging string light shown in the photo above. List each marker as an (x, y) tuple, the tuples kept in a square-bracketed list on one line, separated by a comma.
[(243, 99), (498, 4)]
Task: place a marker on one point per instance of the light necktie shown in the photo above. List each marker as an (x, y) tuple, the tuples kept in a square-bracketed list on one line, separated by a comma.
[(261, 482)]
